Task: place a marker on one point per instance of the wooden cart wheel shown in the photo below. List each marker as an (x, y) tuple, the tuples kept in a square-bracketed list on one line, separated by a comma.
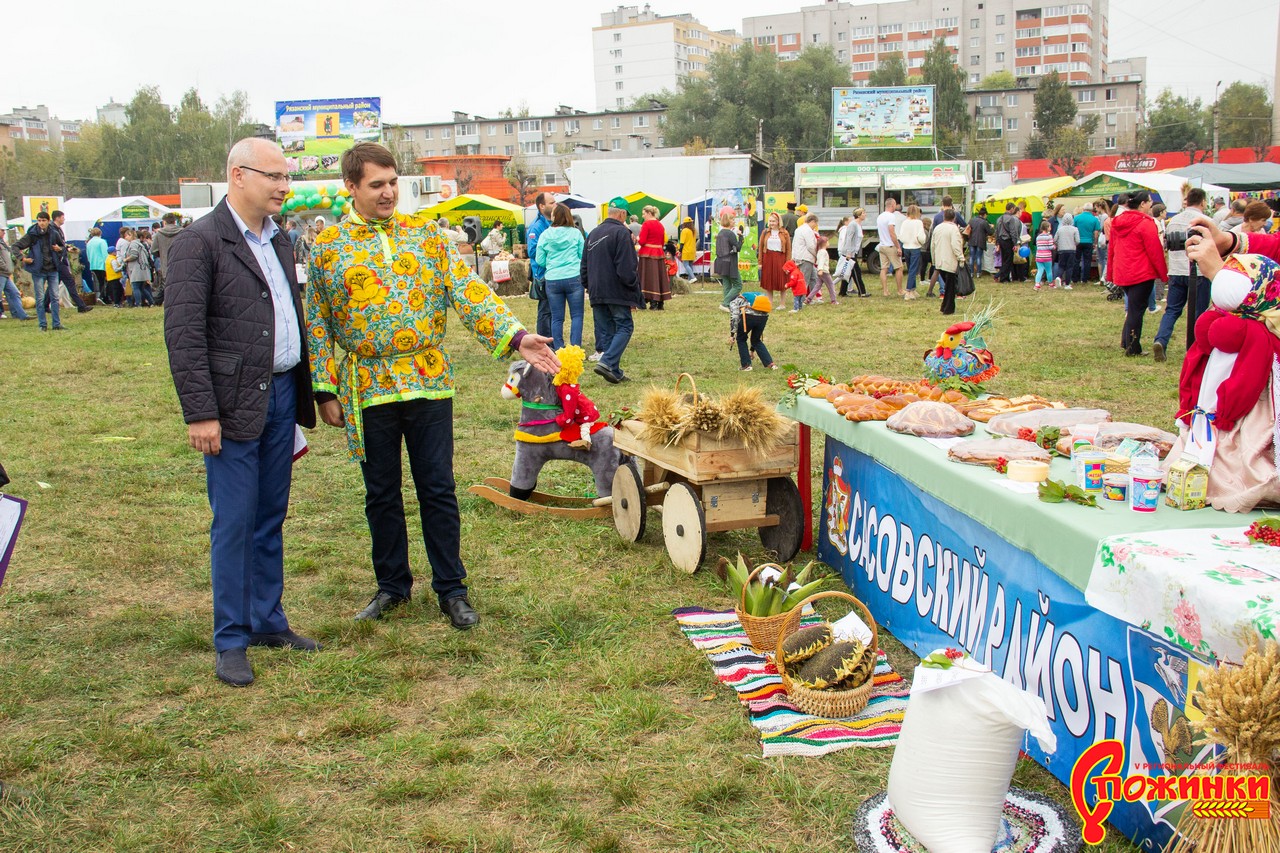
[(782, 499), (629, 502), (684, 527)]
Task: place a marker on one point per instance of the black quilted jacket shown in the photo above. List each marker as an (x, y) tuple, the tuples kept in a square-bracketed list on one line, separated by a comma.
[(219, 326)]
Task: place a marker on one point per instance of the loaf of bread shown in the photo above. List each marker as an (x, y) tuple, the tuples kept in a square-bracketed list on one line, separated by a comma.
[(929, 419), (1009, 424)]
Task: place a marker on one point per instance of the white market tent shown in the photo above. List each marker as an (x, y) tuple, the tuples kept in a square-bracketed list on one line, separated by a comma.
[(84, 213), (1106, 184)]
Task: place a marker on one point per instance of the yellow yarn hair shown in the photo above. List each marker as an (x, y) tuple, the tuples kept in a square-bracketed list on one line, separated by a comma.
[(572, 360)]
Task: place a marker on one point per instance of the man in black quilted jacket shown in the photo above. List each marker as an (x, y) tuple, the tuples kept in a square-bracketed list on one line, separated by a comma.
[(234, 325)]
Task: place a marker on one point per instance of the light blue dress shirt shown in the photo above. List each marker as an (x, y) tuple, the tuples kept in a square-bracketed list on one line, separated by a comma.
[(288, 351)]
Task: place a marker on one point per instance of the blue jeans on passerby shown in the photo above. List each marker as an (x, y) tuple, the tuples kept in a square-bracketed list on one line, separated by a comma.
[(1084, 262), (142, 294), (1067, 262), (248, 486), (13, 298), (542, 323), (562, 293), (1176, 302), (976, 254), (750, 338), (614, 326), (913, 267), (42, 283), (686, 267)]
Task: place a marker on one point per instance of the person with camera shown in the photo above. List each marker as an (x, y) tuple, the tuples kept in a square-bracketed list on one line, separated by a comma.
[(1175, 236)]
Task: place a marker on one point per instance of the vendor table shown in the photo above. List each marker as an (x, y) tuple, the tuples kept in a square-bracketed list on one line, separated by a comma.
[(946, 554)]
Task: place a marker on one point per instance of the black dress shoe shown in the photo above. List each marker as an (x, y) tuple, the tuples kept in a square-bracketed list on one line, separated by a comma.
[(609, 375), (285, 639), (233, 668), (460, 612), (383, 602)]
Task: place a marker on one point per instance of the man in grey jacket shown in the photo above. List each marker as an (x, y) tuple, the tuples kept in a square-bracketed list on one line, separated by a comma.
[(1008, 231), (8, 289), (161, 240)]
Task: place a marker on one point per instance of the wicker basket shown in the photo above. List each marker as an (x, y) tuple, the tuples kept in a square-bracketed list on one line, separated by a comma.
[(826, 703), (762, 631)]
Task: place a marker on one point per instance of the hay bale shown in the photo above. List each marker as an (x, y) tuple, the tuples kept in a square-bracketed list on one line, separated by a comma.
[(519, 283), (681, 286)]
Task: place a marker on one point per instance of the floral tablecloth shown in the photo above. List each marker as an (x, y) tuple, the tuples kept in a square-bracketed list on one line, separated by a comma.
[(1203, 590)]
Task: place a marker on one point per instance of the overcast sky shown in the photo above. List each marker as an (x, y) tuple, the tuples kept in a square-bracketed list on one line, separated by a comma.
[(427, 59)]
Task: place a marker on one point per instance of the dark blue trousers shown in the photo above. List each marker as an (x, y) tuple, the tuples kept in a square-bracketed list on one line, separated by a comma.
[(248, 485)]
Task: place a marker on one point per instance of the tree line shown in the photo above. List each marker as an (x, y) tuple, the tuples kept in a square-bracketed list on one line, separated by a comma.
[(156, 147)]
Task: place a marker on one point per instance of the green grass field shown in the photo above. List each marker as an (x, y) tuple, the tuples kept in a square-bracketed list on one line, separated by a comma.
[(575, 717)]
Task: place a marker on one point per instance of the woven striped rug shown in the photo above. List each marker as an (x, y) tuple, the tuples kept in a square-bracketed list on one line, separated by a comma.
[(784, 729)]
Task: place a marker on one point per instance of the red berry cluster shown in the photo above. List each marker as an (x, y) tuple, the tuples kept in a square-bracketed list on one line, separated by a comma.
[(1002, 465), (793, 381), (1027, 434), (1260, 531), (954, 654)]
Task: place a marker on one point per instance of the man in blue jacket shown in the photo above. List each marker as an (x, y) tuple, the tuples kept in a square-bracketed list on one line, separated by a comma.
[(1088, 226), (609, 273), (546, 203), (42, 263)]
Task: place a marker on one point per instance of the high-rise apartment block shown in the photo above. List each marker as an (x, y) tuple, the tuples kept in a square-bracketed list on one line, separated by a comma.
[(985, 36), (639, 52)]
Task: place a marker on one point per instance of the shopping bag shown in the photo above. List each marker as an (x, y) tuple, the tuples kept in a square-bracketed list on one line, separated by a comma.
[(501, 271), (844, 268), (964, 281)]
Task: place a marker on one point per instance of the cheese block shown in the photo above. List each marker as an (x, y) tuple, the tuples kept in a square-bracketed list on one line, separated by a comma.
[(1028, 471)]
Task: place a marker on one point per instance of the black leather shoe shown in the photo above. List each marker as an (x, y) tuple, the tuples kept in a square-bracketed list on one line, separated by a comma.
[(285, 639), (460, 612), (609, 375), (233, 668), (382, 603)]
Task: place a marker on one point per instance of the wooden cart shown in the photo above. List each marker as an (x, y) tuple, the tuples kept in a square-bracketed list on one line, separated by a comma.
[(710, 485)]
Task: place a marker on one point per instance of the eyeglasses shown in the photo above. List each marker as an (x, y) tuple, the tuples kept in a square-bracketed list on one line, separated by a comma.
[(274, 177)]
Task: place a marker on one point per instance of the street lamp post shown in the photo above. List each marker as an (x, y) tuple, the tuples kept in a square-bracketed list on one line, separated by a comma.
[(120, 186), (1215, 120)]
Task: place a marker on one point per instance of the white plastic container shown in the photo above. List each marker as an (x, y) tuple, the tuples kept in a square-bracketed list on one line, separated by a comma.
[(1144, 489)]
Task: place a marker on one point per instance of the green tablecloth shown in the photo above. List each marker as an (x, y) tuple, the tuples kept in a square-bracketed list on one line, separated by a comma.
[(1063, 536)]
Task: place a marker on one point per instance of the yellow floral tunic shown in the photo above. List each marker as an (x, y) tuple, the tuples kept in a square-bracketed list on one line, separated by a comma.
[(376, 297)]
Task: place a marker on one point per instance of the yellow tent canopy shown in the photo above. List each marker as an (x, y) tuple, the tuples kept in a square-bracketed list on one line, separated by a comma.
[(488, 208), (1032, 192)]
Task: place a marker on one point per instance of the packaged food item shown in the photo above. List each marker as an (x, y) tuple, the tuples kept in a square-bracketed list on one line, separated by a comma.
[(1010, 424), (988, 451), (930, 420), (1115, 487), (1089, 469), (1188, 484), (1144, 489), (1112, 435)]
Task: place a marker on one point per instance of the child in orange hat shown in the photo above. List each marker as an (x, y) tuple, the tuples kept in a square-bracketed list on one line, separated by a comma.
[(748, 315)]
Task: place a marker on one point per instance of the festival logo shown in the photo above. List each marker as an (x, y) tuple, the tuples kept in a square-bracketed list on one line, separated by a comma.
[(839, 500)]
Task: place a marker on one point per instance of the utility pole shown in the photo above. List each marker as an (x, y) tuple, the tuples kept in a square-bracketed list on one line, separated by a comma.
[(1215, 121), (760, 138), (120, 186)]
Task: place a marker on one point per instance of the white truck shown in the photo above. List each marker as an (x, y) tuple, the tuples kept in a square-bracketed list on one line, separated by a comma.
[(836, 190), (678, 178)]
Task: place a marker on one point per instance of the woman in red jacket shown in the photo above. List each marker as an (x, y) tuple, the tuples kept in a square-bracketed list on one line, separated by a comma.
[(1135, 259), (654, 281)]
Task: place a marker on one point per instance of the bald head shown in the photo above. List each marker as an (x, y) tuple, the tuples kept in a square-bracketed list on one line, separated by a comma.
[(254, 152)]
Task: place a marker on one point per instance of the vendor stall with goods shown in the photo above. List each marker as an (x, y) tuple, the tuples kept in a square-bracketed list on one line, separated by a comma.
[(1034, 536)]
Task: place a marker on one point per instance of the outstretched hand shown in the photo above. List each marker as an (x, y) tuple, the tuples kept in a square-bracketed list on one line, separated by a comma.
[(536, 350)]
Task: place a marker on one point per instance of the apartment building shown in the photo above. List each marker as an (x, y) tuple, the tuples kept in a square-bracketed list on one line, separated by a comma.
[(1005, 119), (985, 36), (638, 52), (35, 124), (547, 142)]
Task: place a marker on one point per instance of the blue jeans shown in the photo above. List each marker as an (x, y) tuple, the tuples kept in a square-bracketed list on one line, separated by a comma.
[(1176, 297), (425, 429), (560, 293), (976, 254), (613, 328), (142, 294), (13, 297), (542, 323), (686, 267), (751, 339), (913, 267), (1084, 257), (248, 485), (42, 283)]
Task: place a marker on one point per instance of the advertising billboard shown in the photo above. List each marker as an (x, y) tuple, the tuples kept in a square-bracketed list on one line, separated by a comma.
[(314, 134), (33, 204), (888, 117)]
